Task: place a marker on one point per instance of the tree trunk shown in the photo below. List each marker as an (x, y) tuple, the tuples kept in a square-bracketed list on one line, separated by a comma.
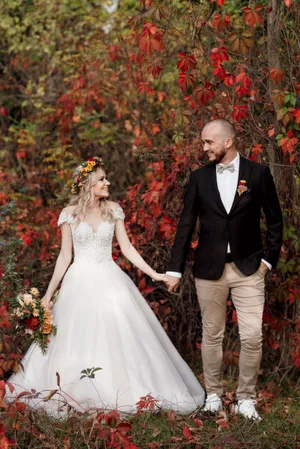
[(273, 62)]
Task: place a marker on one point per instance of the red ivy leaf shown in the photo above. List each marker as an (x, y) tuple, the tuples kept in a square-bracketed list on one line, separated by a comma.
[(186, 62), (198, 422), (220, 72), (252, 17), (187, 433), (288, 143), (26, 239), (204, 94), (186, 79), (257, 149), (167, 227), (144, 44), (146, 3), (123, 427), (221, 21), (297, 115), (271, 131), (149, 28), (276, 75), (296, 358), (3, 111), (112, 418), (154, 69), (218, 55), (230, 80), (220, 2), (244, 79), (156, 44), (239, 112)]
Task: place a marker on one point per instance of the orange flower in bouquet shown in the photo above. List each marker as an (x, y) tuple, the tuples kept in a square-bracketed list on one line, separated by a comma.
[(32, 317)]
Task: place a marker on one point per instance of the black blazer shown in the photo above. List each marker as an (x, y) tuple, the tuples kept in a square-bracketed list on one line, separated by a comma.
[(241, 227)]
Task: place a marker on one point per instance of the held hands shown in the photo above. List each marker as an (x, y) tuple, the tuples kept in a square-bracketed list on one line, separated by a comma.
[(172, 282)]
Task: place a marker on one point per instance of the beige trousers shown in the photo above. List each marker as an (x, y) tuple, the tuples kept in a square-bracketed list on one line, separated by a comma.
[(248, 297)]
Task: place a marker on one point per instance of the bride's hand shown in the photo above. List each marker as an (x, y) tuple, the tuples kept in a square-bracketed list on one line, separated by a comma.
[(159, 277), (46, 302)]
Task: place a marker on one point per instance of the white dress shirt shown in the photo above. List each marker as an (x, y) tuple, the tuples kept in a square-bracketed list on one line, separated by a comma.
[(227, 182)]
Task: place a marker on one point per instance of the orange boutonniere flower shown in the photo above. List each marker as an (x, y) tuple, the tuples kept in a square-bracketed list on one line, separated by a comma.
[(242, 188)]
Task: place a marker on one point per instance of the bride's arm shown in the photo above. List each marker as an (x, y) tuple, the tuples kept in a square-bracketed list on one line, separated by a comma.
[(62, 262), (131, 253)]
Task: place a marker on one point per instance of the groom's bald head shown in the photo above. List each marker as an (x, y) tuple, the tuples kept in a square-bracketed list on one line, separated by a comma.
[(222, 127)]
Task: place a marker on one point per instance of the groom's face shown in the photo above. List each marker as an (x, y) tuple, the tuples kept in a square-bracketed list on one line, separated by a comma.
[(215, 144)]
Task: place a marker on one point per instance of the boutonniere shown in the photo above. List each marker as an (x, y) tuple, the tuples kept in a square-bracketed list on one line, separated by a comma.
[(242, 188)]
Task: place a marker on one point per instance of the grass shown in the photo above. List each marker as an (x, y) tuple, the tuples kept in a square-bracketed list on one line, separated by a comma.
[(280, 428)]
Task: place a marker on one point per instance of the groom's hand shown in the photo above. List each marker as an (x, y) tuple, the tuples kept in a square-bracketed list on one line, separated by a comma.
[(172, 282), (264, 267)]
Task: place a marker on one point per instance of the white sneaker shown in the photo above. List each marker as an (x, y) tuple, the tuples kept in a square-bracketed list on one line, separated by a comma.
[(246, 408), (213, 403)]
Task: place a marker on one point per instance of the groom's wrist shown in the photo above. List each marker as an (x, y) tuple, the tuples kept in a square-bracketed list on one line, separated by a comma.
[(175, 274), (267, 264)]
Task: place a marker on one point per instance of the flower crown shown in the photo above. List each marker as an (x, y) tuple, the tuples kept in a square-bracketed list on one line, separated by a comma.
[(84, 170)]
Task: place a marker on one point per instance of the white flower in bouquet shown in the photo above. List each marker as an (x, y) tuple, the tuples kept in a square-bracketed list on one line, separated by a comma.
[(27, 299)]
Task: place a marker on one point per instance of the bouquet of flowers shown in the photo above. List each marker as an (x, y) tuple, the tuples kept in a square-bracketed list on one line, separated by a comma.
[(32, 317)]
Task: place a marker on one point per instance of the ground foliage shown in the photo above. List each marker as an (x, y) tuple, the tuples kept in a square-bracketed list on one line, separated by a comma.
[(135, 86), (153, 428)]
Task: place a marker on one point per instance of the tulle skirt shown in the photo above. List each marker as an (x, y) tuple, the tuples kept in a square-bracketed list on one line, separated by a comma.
[(104, 322)]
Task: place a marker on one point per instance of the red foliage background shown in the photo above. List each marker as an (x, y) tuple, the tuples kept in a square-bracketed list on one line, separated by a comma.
[(139, 98)]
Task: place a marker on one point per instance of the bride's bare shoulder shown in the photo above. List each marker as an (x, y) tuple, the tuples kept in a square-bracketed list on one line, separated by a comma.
[(113, 205), (69, 210)]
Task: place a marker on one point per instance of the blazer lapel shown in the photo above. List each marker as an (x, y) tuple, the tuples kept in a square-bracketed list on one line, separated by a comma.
[(245, 172), (214, 188)]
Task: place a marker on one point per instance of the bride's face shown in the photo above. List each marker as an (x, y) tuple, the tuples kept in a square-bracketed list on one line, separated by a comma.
[(100, 187)]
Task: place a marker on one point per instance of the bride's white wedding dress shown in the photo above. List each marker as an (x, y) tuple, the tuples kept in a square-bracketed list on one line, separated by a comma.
[(103, 321)]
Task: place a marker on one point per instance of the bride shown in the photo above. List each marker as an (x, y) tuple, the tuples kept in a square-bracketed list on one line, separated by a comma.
[(102, 319)]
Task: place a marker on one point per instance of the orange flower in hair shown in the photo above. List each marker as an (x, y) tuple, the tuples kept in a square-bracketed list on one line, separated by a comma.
[(91, 165)]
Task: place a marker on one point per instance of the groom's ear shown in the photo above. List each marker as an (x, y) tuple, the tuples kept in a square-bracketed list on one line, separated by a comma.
[(229, 142)]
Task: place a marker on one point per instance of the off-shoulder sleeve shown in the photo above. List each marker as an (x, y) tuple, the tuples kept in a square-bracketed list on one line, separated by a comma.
[(65, 218), (119, 214)]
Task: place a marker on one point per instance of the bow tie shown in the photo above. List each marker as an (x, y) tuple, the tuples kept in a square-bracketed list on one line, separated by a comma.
[(221, 168)]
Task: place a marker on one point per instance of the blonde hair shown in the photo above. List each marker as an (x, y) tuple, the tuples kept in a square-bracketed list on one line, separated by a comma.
[(85, 198)]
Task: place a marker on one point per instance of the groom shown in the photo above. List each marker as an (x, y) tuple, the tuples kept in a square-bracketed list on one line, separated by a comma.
[(227, 195)]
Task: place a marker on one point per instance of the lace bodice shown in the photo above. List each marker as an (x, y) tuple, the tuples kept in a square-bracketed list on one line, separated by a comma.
[(92, 246)]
